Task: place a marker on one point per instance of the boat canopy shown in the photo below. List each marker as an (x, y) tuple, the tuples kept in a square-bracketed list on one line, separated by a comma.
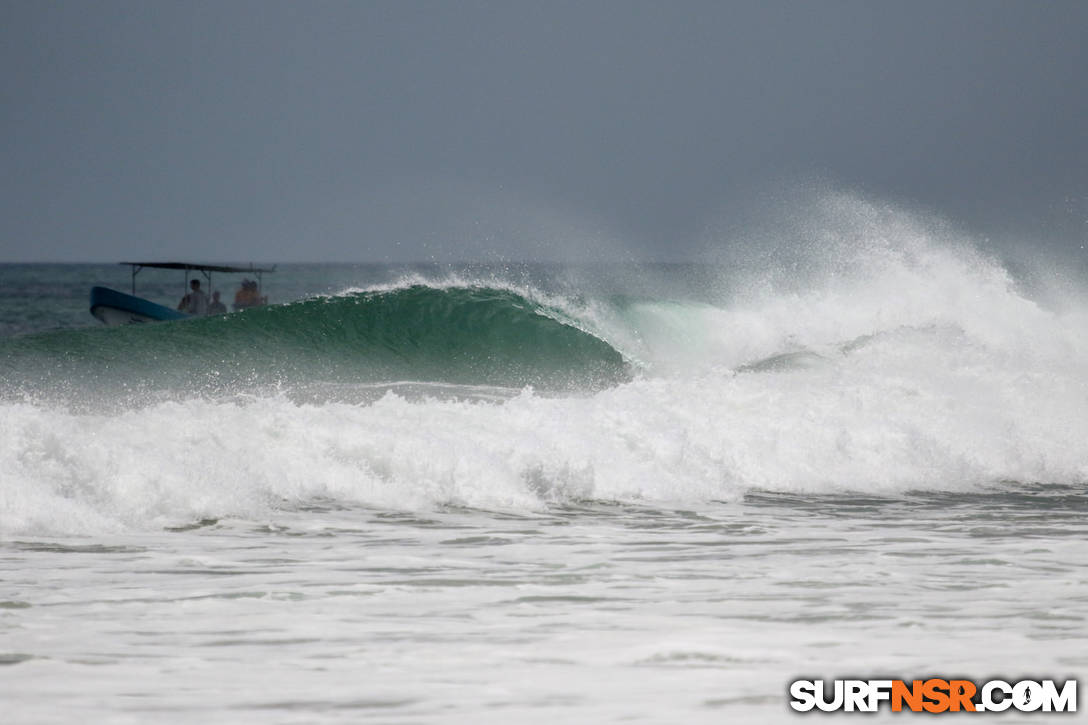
[(202, 267), (205, 269)]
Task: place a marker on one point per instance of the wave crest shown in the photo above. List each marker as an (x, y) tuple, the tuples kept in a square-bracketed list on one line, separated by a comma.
[(468, 335)]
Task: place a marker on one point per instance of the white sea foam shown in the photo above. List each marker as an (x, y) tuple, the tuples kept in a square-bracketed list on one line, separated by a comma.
[(900, 360), (621, 557), (909, 409)]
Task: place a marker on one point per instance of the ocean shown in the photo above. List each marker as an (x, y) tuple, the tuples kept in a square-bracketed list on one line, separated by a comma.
[(518, 493)]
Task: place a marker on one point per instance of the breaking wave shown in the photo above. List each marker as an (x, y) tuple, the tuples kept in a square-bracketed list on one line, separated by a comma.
[(471, 335), (874, 355)]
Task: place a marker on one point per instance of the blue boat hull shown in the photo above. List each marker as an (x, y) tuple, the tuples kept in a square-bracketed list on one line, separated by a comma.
[(117, 308)]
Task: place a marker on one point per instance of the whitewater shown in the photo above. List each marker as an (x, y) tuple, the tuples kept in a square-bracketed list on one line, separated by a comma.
[(651, 493)]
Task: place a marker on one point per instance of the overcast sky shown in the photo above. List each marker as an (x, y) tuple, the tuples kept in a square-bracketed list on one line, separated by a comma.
[(392, 131)]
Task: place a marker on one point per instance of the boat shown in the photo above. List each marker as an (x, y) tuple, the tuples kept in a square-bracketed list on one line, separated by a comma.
[(118, 308)]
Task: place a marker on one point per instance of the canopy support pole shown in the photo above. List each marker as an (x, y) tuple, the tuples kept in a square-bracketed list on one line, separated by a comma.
[(135, 270)]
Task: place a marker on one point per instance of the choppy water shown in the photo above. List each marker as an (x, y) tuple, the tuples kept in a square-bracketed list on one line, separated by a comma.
[(521, 493)]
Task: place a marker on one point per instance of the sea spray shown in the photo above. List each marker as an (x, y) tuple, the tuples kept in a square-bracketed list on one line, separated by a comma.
[(899, 361)]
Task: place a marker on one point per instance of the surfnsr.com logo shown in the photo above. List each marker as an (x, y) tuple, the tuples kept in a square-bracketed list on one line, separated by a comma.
[(933, 695)]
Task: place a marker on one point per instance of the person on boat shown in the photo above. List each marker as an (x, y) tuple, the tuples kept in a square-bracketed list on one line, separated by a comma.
[(196, 302), (216, 307), (247, 295)]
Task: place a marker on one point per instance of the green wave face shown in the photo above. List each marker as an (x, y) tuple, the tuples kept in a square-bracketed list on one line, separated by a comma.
[(464, 335)]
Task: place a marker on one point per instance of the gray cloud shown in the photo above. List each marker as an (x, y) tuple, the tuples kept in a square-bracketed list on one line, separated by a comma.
[(408, 131)]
